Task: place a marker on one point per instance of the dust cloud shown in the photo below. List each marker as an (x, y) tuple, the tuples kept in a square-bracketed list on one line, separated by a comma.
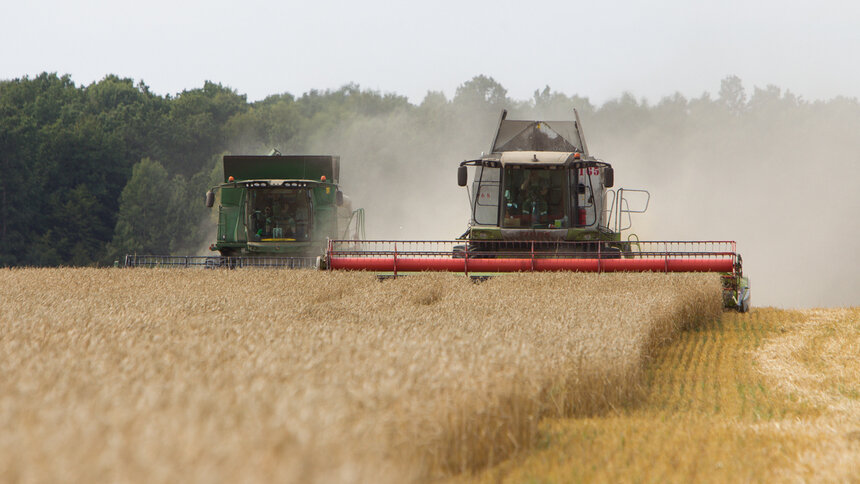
[(402, 169), (779, 178), (780, 183)]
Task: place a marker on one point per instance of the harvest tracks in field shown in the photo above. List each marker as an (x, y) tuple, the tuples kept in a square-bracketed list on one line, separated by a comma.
[(770, 395)]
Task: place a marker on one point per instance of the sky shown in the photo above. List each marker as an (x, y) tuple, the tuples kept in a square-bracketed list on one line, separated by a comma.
[(594, 49)]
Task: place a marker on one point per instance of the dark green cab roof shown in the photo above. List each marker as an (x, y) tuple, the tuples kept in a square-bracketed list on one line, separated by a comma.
[(283, 167)]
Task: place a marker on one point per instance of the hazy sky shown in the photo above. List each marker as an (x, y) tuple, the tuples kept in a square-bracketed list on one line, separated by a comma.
[(597, 49)]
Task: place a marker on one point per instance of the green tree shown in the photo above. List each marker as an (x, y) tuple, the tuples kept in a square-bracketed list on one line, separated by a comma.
[(81, 234), (732, 95), (196, 126), (145, 220), (481, 91), (18, 189)]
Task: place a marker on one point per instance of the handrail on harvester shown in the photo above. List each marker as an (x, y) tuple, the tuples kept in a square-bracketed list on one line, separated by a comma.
[(532, 256)]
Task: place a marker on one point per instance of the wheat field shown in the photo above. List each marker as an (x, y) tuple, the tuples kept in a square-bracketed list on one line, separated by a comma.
[(130, 375), (769, 396)]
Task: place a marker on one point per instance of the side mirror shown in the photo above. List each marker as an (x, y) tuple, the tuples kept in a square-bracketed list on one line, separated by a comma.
[(462, 176), (338, 198), (608, 177), (210, 198)]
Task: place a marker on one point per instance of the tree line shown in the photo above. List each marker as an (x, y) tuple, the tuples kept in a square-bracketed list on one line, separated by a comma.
[(91, 172)]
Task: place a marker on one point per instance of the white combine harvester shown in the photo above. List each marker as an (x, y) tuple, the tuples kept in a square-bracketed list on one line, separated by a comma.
[(541, 202)]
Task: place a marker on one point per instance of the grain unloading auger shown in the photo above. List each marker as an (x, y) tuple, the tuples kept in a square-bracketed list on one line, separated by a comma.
[(541, 202)]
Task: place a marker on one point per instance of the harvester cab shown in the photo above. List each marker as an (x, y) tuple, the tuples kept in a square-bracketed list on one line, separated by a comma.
[(539, 183)]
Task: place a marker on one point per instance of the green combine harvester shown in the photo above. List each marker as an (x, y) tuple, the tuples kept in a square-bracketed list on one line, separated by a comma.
[(276, 210)]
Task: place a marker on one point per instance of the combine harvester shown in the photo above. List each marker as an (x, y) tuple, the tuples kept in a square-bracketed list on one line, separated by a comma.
[(541, 202), (275, 211)]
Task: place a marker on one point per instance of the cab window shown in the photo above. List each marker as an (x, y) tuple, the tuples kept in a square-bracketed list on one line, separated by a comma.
[(534, 197), (278, 214)]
